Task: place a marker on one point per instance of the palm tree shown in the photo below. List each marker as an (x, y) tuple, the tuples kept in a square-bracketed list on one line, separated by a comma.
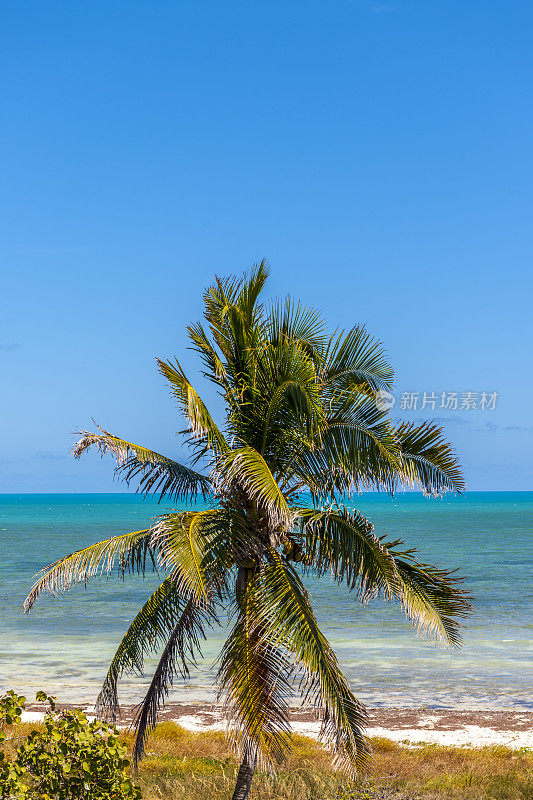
[(300, 416)]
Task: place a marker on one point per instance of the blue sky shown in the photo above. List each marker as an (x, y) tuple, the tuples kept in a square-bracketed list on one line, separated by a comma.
[(378, 155)]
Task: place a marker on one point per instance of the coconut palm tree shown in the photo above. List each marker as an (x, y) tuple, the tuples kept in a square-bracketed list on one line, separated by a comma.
[(301, 423)]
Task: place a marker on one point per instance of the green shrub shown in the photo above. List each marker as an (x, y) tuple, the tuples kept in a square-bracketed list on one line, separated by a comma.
[(68, 758)]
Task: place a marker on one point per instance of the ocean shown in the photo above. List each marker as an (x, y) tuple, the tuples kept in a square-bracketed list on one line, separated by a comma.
[(65, 644)]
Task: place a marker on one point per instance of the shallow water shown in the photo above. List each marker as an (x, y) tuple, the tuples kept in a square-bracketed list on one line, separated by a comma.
[(66, 643)]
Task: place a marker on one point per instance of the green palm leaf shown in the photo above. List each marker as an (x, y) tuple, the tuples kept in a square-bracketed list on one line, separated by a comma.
[(289, 622), (290, 321), (358, 451), (215, 371), (191, 548), (201, 424), (254, 679), (149, 630), (157, 473), (289, 398), (248, 469), (356, 359), (250, 289), (432, 599), (427, 460), (128, 553), (344, 544), (183, 645)]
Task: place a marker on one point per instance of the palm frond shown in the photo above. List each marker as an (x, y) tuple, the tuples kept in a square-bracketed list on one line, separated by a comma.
[(344, 544), (288, 621), (234, 318), (356, 359), (253, 678), (188, 547), (299, 403), (248, 469), (278, 399), (358, 451), (217, 300), (156, 473), (427, 459), (201, 424), (291, 321), (432, 599), (182, 648), (251, 288), (148, 631), (128, 553), (215, 370)]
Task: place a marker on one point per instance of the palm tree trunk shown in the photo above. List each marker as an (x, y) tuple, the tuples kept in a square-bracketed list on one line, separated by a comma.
[(249, 756), (244, 778)]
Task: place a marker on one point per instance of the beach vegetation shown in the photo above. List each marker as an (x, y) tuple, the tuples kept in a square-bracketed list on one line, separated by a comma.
[(182, 764), (65, 758), (302, 425)]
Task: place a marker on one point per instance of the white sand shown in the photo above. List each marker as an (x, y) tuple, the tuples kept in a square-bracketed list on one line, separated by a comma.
[(424, 733), (32, 716), (467, 736)]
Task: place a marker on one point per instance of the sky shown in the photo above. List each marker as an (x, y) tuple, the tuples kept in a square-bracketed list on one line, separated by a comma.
[(376, 154)]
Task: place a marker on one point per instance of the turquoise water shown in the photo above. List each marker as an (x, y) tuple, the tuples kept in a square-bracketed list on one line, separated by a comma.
[(65, 645)]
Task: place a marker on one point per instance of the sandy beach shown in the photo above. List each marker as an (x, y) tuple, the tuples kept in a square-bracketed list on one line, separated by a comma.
[(407, 726)]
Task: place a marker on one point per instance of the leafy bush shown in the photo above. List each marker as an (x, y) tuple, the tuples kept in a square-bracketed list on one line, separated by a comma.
[(69, 759)]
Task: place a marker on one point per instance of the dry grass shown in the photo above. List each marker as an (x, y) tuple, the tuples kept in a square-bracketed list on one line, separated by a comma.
[(199, 766), (180, 764)]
